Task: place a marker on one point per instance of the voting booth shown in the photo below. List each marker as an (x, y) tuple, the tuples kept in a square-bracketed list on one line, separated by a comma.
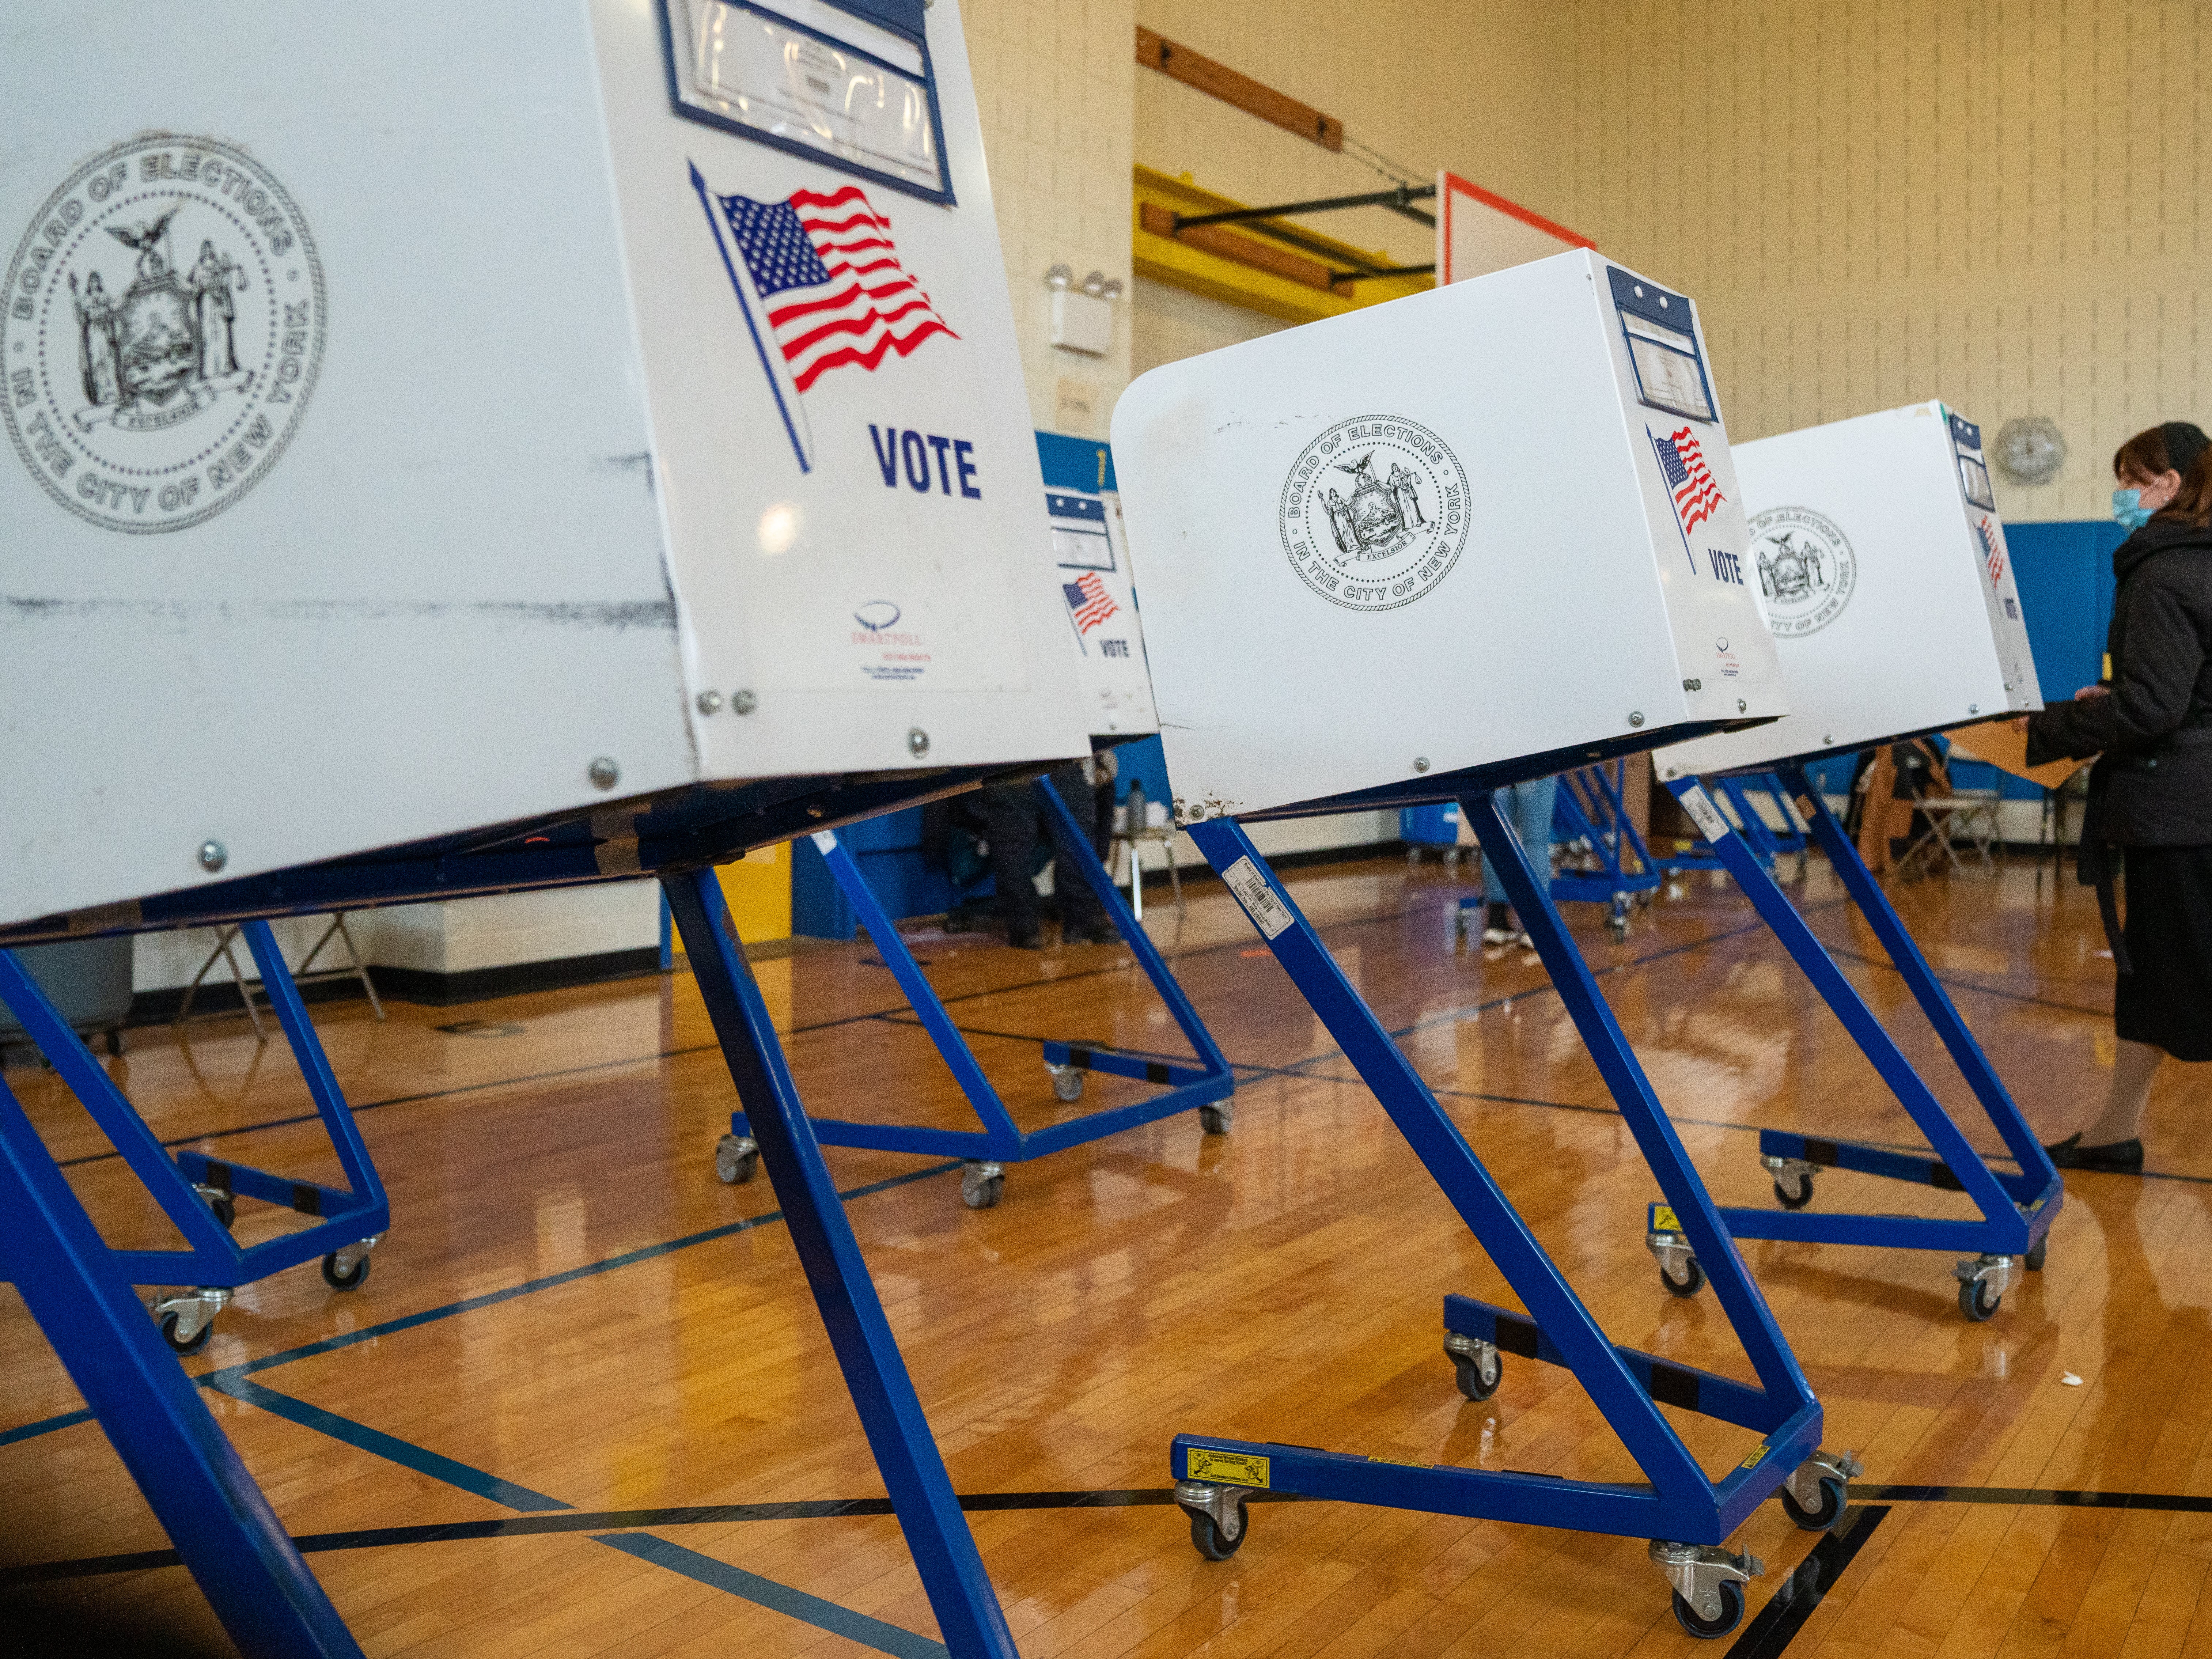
[(1882, 563), (1405, 554), (496, 448), (1099, 592)]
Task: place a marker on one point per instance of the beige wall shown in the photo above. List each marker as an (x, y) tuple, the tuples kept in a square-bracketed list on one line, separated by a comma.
[(1423, 97), (1055, 80), (2001, 204)]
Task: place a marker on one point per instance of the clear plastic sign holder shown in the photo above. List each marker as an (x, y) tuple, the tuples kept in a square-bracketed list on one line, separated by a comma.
[(1204, 1086), (2016, 1208), (80, 1290), (1686, 1514)]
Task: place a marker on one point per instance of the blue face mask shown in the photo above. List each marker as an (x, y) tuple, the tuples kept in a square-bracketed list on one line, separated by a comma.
[(2129, 510)]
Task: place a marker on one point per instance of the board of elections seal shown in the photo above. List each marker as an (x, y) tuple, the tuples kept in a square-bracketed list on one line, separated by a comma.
[(1806, 569), (1374, 513), (160, 333)]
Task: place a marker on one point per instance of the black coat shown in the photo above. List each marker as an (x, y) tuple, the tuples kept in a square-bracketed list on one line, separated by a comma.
[(2154, 728)]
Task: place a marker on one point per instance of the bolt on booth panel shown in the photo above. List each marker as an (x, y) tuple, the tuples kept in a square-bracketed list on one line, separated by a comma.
[(1099, 605), (583, 450), (1892, 602), (1405, 556)]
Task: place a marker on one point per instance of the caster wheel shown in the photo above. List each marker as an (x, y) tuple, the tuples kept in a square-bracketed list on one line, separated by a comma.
[(2033, 1259), (1067, 1084), (1216, 1119), (1731, 1614), (198, 1339), (1209, 1540), (344, 1281), (1975, 1302), (1833, 1500), (1793, 1196), (1451, 859), (1693, 1280), (1617, 928), (736, 1160), (1643, 900), (115, 1047), (981, 1194), (225, 1210), (1474, 1382)]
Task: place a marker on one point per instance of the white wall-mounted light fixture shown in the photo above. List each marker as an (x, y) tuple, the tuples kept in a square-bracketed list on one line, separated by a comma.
[(1082, 320)]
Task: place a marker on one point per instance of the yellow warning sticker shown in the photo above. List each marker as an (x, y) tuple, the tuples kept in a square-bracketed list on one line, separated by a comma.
[(1402, 1463), (1236, 1469), (1752, 1461), (1663, 1220)]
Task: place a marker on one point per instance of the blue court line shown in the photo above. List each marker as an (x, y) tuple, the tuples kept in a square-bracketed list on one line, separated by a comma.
[(32, 1430), (221, 1379), (375, 1441), (781, 1598)]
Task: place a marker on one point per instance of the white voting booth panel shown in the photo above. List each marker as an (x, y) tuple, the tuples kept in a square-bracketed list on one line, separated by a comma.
[(1452, 531), (411, 407), (1092, 548), (1878, 547)]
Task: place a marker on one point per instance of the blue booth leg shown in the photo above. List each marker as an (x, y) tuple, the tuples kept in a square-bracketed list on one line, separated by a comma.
[(1685, 1513), (2016, 1211), (223, 1526), (960, 1592), (1204, 1086)]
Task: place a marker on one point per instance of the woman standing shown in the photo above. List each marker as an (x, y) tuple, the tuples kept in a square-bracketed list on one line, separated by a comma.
[(2150, 794)]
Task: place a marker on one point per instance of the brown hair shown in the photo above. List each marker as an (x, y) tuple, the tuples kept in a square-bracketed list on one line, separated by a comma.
[(2171, 447), (2192, 502)]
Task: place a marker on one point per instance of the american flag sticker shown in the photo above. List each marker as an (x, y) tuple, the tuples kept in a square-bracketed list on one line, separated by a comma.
[(1690, 484), (819, 280), (1089, 604), (1993, 559)]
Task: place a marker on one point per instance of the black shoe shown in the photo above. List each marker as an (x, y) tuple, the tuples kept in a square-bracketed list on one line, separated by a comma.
[(2117, 1157), (1025, 938), (2057, 1147), (1100, 932)]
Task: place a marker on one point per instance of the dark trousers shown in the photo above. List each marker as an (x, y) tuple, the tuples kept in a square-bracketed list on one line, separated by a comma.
[(1011, 820)]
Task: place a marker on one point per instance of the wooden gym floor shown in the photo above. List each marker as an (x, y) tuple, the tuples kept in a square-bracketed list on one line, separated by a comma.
[(584, 1404)]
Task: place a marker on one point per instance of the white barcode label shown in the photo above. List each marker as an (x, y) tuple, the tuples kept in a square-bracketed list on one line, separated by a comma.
[(826, 840), (1260, 901), (1706, 815)]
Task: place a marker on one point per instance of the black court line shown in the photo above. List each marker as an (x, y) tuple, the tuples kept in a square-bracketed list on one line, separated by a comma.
[(1775, 1625), (1871, 1504), (1973, 986)]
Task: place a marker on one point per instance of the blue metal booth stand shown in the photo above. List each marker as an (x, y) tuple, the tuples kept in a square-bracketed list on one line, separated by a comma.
[(81, 1291), (2017, 1208), (1205, 1087), (1686, 1514)]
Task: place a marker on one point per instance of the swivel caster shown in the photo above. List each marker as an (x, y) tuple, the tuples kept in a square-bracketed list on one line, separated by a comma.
[(980, 1183), (1678, 1263), (1477, 1363), (186, 1318), (346, 1268), (1793, 1181), (2034, 1260), (220, 1202), (1816, 1495), (736, 1159), (1681, 1274), (1217, 1517), (1982, 1282), (1066, 1082), (1218, 1118), (1708, 1585)]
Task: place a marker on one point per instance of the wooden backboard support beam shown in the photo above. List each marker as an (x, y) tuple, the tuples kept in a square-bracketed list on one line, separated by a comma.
[(1220, 80)]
